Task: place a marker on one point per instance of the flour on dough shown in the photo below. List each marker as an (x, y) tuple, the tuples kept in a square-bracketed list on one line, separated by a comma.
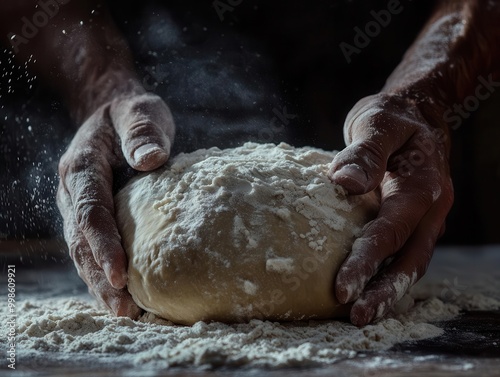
[(257, 231)]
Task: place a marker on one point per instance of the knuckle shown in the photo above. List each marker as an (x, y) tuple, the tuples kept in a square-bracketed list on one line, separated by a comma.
[(149, 113), (392, 234), (143, 104), (86, 212), (147, 102), (368, 154), (371, 154), (435, 190), (87, 146), (90, 156), (77, 254), (82, 160), (422, 192), (143, 130)]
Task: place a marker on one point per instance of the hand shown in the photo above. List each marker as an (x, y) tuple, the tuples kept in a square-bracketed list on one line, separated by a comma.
[(391, 147), (138, 131)]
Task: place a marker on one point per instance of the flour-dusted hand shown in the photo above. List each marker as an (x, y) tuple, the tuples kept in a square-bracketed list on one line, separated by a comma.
[(392, 148), (398, 143), (137, 131), (82, 55)]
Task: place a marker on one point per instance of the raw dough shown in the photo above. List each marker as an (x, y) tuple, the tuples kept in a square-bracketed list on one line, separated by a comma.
[(257, 231)]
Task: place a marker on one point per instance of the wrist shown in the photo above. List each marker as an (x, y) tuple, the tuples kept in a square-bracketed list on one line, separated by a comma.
[(454, 59), (100, 88), (84, 58), (423, 102)]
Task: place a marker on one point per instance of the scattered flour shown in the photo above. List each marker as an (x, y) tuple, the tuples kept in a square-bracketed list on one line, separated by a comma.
[(68, 329), (73, 330)]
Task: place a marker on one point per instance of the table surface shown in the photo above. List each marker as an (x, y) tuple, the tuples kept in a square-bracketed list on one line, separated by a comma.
[(470, 345)]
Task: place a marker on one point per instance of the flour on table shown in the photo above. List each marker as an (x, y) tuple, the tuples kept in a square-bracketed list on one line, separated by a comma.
[(69, 327), (66, 330), (254, 232)]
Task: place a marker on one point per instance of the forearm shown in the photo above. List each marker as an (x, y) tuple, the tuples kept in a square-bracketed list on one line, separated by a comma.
[(457, 51), (79, 52)]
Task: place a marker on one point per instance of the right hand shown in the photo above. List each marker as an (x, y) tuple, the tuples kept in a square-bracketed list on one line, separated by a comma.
[(393, 148), (137, 131)]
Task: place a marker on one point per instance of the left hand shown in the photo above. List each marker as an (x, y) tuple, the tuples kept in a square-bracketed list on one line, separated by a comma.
[(393, 148), (134, 131)]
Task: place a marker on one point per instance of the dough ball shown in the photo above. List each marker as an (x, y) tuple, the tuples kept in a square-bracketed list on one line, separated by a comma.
[(257, 231)]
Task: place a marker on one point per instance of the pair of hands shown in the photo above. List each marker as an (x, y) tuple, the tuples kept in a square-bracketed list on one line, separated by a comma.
[(391, 148)]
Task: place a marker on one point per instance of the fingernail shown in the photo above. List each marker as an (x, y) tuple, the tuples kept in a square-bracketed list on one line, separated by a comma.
[(351, 285), (345, 293), (146, 150), (353, 172)]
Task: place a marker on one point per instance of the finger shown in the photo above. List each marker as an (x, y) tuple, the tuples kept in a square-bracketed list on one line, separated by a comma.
[(71, 231), (373, 132), (405, 270), (404, 203), (146, 129), (87, 178), (118, 300)]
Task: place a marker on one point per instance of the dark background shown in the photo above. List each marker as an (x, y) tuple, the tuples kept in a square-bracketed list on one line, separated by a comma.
[(224, 80)]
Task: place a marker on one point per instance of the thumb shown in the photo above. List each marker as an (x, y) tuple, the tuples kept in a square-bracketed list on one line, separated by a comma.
[(374, 130), (146, 129), (359, 168)]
